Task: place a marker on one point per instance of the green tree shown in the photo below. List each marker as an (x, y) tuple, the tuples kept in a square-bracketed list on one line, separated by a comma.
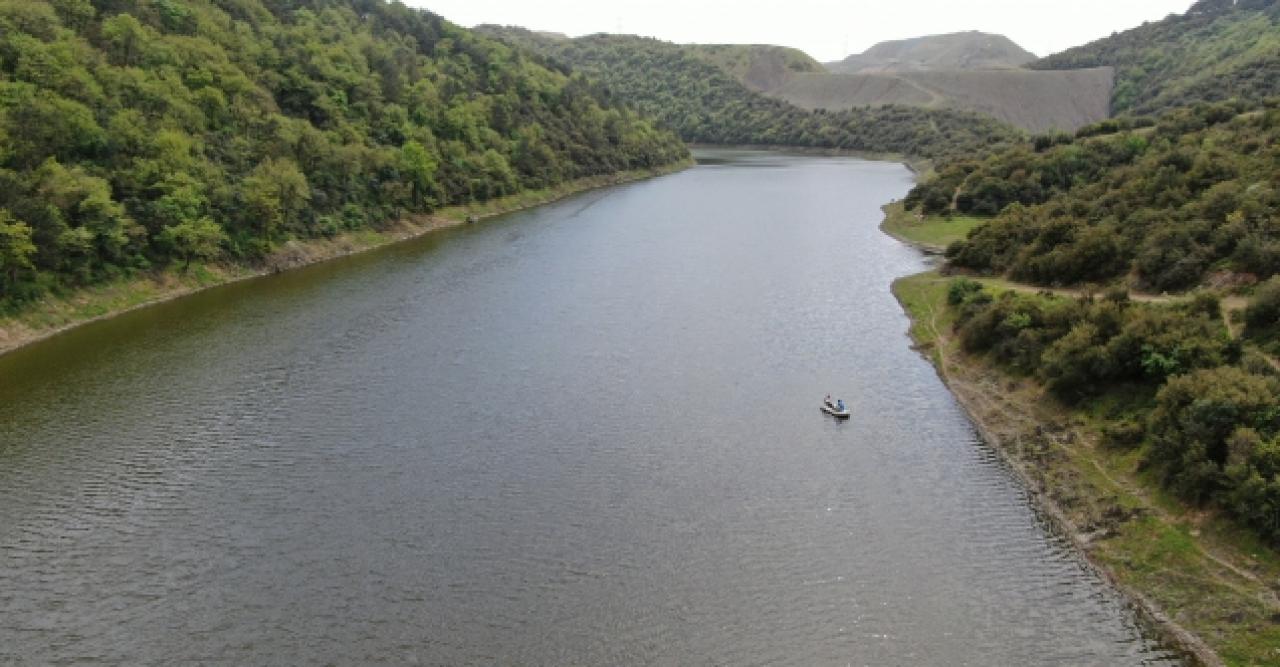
[(1195, 417), (275, 192), (199, 238), (16, 251), (419, 166)]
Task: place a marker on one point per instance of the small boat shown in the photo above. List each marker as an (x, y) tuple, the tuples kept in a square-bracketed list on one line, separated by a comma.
[(835, 410)]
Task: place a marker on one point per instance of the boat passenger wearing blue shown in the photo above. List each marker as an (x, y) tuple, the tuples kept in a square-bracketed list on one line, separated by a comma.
[(840, 405)]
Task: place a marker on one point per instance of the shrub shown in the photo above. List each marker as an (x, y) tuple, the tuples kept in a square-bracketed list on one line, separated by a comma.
[(1123, 434), (1263, 312), (961, 289)]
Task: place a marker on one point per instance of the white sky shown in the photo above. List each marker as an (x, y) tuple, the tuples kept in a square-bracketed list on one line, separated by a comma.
[(825, 29)]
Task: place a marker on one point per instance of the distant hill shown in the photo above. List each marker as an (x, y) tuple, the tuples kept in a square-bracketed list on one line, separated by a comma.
[(971, 71), (1037, 101), (959, 50), (702, 93), (974, 71), (1218, 50), (758, 66)]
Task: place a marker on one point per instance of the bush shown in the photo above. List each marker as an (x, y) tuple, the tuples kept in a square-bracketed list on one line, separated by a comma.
[(961, 289), (1123, 434), (1263, 312), (1195, 417)]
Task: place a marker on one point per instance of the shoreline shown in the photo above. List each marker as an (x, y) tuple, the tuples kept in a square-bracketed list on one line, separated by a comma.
[(55, 315), (979, 406), (1185, 573), (917, 166), (1012, 420)]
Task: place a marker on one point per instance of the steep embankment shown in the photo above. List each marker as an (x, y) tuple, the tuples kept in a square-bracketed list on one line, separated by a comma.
[(1218, 50), (972, 71), (690, 89), (1034, 101), (142, 137)]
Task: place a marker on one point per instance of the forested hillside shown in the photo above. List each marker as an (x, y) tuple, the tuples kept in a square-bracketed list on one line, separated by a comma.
[(1168, 204), (1218, 50), (1189, 200), (685, 88), (140, 133)]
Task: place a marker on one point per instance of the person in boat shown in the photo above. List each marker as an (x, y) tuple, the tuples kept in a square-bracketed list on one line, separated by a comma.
[(840, 405)]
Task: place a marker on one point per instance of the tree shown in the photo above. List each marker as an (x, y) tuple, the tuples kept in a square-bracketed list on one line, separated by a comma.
[(1263, 312), (105, 235), (275, 192), (419, 166), (126, 37), (190, 239), (16, 251), (1196, 415)]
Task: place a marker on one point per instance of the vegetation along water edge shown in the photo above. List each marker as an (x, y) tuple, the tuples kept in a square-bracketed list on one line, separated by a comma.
[(1108, 313), (54, 314), (1207, 584), (149, 149)]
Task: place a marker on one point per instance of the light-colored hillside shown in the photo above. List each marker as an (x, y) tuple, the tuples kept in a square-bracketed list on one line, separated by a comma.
[(1038, 101), (759, 66), (959, 50)]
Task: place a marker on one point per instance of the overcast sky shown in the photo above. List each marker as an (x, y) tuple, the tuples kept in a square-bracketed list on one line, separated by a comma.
[(826, 29)]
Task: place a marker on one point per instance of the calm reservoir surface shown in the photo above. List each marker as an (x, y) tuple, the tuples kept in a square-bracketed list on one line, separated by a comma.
[(582, 434)]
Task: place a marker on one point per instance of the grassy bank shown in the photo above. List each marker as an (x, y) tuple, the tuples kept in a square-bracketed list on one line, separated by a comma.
[(1207, 585), (932, 233), (59, 312)]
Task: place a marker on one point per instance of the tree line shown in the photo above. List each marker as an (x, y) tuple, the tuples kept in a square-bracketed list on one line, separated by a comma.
[(136, 134)]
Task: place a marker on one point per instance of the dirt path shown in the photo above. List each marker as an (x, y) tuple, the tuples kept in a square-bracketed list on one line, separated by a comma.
[(1074, 292), (1232, 304)]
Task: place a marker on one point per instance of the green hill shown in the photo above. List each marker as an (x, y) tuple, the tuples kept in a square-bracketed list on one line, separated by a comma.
[(139, 133), (1163, 206), (1189, 202), (693, 90), (1218, 50)]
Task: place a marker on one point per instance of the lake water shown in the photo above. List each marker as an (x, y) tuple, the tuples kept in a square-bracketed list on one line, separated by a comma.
[(582, 434)]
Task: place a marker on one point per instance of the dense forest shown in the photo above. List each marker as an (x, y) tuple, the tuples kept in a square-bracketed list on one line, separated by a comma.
[(1166, 205), (688, 89), (143, 133), (1219, 50)]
